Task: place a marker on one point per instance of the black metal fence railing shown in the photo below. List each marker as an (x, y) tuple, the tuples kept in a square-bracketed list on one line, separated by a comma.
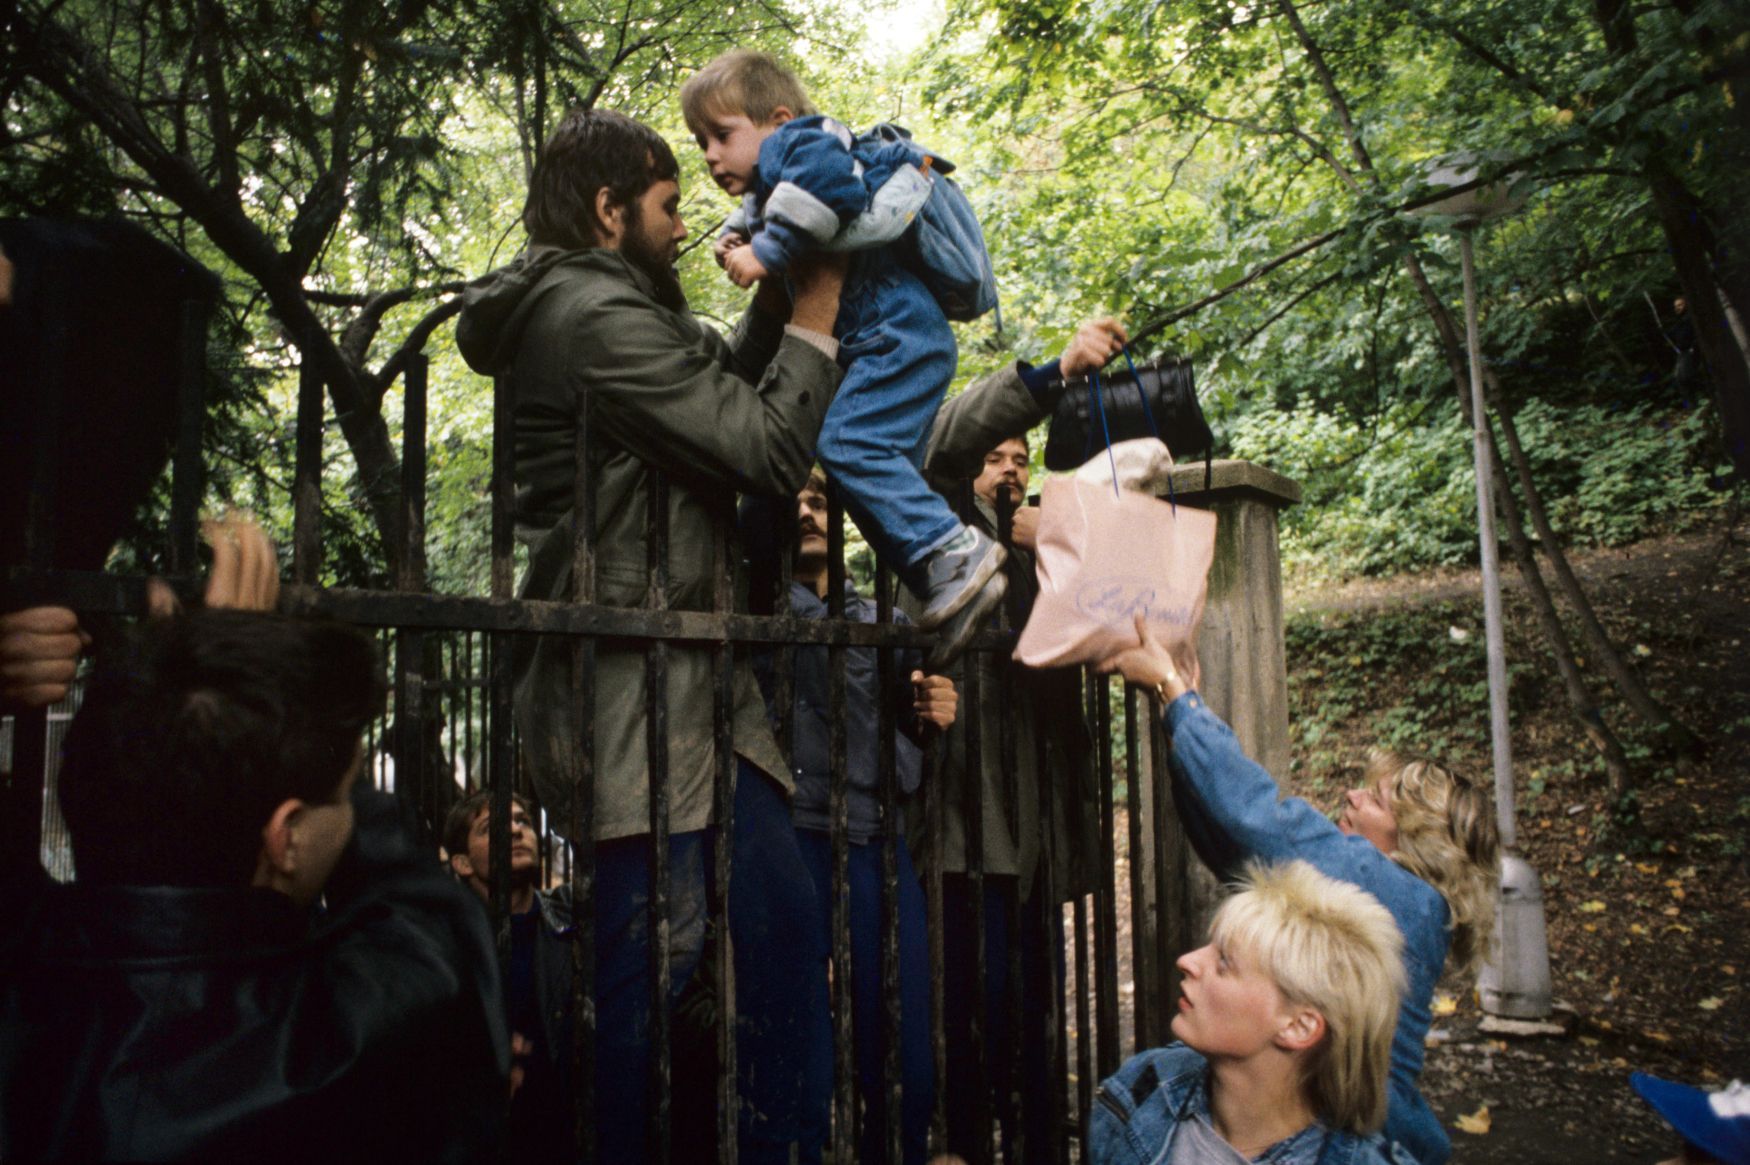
[(452, 730)]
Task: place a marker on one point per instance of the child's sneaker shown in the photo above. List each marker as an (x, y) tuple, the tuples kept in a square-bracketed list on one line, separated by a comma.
[(948, 578), (956, 634)]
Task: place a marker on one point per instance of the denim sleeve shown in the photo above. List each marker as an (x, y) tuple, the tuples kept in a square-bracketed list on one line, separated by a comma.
[(816, 187), (810, 153), (1232, 809), (778, 244)]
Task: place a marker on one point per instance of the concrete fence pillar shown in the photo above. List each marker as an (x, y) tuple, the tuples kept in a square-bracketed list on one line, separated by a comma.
[(1244, 679)]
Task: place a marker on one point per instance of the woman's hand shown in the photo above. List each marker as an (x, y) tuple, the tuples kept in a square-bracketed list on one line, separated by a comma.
[(1148, 665)]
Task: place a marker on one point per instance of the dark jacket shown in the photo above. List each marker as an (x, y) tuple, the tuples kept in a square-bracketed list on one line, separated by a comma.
[(541, 1117), (1040, 712), (811, 726), (166, 1023), (670, 399)]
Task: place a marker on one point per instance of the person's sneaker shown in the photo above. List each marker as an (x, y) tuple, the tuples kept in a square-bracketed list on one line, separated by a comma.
[(957, 633), (953, 573)]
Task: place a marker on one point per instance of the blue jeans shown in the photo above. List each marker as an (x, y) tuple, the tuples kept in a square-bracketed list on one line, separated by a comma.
[(622, 902), (868, 1014), (899, 355), (1041, 952), (778, 957), (780, 964)]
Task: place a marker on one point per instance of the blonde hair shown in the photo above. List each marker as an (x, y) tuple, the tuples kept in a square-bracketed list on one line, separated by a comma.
[(1330, 946), (1447, 838), (742, 83)]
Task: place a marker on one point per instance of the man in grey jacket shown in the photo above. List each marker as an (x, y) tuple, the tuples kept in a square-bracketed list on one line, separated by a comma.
[(680, 420)]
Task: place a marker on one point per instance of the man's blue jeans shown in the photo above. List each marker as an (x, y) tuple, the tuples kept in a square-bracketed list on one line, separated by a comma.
[(1041, 956), (868, 1013), (777, 959), (899, 355)]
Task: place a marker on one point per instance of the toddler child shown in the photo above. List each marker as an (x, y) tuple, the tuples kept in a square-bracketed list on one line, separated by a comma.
[(808, 183)]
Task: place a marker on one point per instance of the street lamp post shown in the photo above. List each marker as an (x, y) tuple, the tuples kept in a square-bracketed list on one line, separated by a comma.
[(1515, 982)]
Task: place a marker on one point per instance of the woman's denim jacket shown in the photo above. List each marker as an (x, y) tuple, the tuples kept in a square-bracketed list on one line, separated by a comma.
[(1138, 1111), (1234, 814)]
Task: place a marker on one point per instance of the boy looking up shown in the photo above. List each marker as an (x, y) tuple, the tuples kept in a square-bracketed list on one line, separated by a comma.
[(805, 179)]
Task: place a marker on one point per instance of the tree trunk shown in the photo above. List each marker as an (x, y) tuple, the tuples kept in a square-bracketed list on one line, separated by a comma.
[(1640, 701), (1453, 348), (1680, 217), (1580, 702)]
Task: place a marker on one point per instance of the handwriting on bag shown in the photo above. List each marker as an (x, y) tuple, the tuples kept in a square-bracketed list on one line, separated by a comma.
[(1117, 601)]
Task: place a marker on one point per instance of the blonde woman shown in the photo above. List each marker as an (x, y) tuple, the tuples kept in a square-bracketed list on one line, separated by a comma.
[(1415, 835), (1285, 1021)]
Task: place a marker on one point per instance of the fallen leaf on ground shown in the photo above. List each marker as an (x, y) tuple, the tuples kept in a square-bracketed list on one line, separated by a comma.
[(1476, 1124), (1445, 1004), (1712, 1003), (1593, 907)]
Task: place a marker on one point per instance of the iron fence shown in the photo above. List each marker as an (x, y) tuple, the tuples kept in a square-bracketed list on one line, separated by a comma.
[(452, 731)]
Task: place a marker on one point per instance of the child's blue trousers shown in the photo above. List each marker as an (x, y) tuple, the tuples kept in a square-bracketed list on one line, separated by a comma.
[(899, 355)]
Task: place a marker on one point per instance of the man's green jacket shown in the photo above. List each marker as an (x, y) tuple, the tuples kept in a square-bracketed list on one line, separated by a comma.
[(668, 397), (1039, 712)]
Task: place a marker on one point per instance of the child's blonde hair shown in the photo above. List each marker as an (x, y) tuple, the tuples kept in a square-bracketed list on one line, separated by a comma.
[(742, 83), (1330, 946), (1447, 837)]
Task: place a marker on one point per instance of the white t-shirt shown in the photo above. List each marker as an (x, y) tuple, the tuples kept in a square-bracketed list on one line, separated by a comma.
[(1197, 1143)]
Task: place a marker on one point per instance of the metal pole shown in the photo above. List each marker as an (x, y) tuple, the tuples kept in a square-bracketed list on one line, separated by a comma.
[(1516, 981), (1491, 560)]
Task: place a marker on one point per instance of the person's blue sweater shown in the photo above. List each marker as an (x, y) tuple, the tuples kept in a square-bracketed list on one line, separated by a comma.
[(1233, 813), (811, 722)]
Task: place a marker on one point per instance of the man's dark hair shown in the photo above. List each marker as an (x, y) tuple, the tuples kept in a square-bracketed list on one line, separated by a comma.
[(591, 149), (462, 814), (197, 728)]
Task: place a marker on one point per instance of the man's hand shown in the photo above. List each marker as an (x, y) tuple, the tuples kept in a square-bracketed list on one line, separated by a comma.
[(744, 267), (817, 282), (1024, 533), (520, 1049), (245, 566), (39, 652), (40, 646), (935, 699), (726, 243), (1094, 343), (245, 569)]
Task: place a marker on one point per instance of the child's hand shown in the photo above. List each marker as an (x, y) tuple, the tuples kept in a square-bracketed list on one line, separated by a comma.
[(744, 267), (725, 244)]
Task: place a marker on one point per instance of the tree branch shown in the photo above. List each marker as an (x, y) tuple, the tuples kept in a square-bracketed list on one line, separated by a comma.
[(1244, 281), (415, 342)]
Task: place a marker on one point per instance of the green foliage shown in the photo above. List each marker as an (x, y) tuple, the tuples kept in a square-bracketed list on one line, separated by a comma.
[(1397, 491), (1353, 673), (1237, 172)]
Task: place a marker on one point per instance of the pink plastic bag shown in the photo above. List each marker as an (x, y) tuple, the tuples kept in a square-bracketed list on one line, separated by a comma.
[(1103, 558)]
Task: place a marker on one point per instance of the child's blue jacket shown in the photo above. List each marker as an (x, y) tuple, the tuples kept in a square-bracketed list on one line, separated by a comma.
[(820, 186)]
